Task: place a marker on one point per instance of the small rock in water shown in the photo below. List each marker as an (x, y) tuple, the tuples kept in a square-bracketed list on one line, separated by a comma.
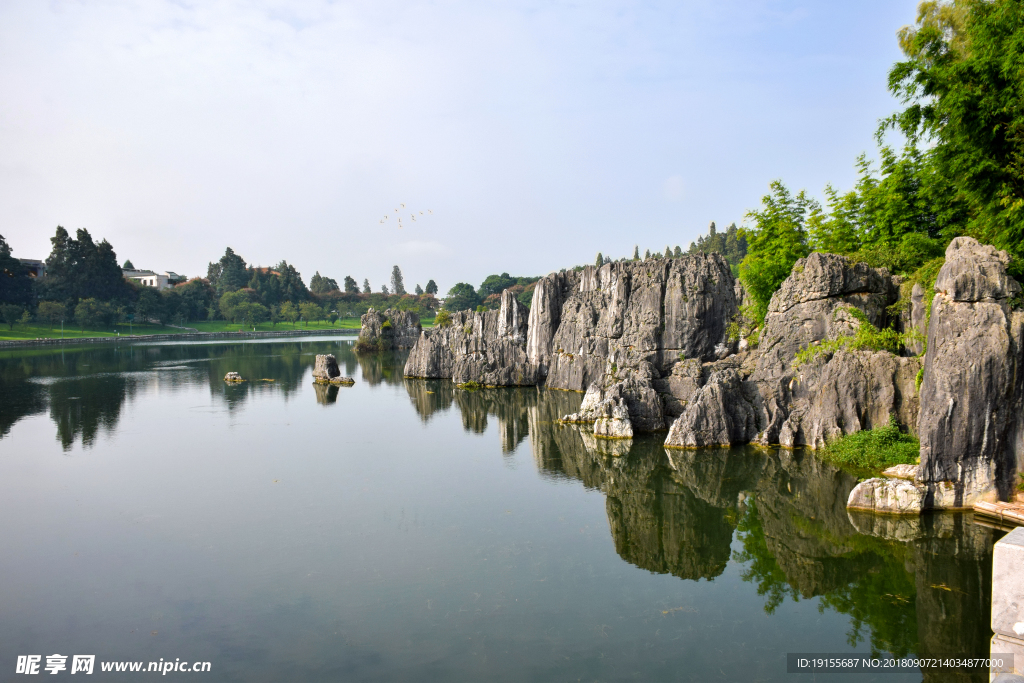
[(233, 377)]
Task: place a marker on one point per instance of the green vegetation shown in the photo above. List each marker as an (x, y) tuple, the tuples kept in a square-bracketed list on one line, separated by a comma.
[(874, 450), (732, 244), (867, 337), (85, 288), (961, 171), (443, 319), (777, 241)]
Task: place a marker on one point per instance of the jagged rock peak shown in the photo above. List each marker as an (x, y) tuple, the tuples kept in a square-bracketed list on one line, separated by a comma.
[(975, 272), (824, 276)]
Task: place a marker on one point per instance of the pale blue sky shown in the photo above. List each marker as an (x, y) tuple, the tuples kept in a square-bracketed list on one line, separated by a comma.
[(538, 132)]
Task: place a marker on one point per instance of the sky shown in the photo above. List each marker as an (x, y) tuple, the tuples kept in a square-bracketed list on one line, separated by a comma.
[(531, 135)]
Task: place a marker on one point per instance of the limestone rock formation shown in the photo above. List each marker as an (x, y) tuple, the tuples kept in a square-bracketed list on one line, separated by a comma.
[(725, 411), (398, 329), (887, 494), (630, 312), (632, 391), (233, 377), (488, 348), (326, 371), (613, 422), (971, 429), (326, 367)]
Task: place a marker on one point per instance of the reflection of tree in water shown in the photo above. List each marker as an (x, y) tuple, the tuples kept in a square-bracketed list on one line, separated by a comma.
[(88, 385), (83, 406), (916, 585), (18, 400)]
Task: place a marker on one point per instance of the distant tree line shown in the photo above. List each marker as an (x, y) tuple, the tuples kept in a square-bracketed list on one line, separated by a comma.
[(84, 285)]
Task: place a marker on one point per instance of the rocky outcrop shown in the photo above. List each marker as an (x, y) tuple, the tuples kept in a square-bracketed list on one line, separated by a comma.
[(769, 398), (233, 377), (622, 402), (326, 367), (326, 371), (396, 329), (629, 312), (725, 411), (970, 421), (487, 348)]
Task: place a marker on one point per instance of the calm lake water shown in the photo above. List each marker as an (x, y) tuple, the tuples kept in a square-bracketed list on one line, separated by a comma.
[(404, 530)]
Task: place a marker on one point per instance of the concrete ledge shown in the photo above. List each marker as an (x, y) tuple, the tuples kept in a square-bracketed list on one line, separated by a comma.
[(1008, 586)]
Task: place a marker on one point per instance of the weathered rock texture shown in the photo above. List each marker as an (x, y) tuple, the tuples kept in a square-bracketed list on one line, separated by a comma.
[(630, 312), (766, 398), (398, 329), (656, 344), (326, 371), (487, 348), (970, 421)]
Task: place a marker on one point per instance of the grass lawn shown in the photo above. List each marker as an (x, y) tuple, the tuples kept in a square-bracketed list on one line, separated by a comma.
[(43, 331)]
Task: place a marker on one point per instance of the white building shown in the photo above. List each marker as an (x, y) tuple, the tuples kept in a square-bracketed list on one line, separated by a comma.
[(164, 280)]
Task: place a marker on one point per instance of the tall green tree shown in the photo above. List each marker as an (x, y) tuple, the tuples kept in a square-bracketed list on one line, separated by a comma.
[(351, 287), (431, 288), (461, 297), (15, 283), (366, 286), (319, 284), (229, 274), (79, 268), (397, 282), (962, 85), (775, 241)]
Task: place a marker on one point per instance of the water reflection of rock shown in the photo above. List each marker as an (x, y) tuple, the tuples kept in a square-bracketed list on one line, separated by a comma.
[(430, 396), (908, 586), (380, 368), (326, 394)]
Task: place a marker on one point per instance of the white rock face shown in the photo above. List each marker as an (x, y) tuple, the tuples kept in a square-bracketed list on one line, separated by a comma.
[(614, 422), (908, 472), (896, 496)]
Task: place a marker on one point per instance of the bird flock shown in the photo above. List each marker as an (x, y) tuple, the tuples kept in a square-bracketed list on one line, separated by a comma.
[(412, 215)]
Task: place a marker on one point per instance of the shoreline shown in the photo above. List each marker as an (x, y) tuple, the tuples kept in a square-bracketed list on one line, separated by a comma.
[(181, 336)]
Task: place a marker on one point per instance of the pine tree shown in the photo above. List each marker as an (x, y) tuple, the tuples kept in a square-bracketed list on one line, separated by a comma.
[(636, 253), (668, 252), (418, 290), (351, 287), (366, 286), (647, 255), (599, 261), (397, 282), (431, 287)]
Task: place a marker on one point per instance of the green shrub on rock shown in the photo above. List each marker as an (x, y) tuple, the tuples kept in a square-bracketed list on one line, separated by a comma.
[(874, 450)]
